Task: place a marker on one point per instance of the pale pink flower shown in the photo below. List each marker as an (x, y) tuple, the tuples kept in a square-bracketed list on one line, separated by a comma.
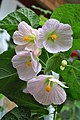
[(46, 89), (26, 64), (55, 36), (25, 37)]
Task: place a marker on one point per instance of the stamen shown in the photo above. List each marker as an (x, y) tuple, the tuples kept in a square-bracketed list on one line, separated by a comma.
[(26, 38), (29, 64), (48, 88), (53, 36)]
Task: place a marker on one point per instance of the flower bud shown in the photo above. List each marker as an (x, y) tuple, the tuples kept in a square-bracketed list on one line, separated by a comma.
[(64, 63)]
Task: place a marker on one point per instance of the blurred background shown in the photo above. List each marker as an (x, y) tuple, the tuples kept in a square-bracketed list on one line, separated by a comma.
[(44, 8)]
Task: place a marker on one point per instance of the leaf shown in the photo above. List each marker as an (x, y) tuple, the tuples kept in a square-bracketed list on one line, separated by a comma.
[(71, 79), (54, 62), (11, 86), (19, 113), (10, 22), (70, 14)]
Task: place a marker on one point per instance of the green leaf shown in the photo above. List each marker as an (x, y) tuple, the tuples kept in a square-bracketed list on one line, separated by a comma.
[(70, 77), (11, 86), (76, 45), (1, 96), (54, 62), (10, 22), (19, 113), (70, 14)]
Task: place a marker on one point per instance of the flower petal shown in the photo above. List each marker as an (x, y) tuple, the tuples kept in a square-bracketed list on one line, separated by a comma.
[(51, 46), (58, 95), (58, 82), (25, 73), (64, 29), (40, 39), (31, 47), (35, 85), (20, 48), (35, 64), (50, 25), (18, 38), (24, 28)]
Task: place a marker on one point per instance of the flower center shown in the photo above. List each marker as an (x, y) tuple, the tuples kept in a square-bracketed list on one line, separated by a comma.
[(48, 88), (29, 38), (29, 64), (26, 38), (53, 36)]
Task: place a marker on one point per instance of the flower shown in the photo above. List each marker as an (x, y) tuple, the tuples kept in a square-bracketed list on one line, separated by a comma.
[(25, 37), (4, 38), (26, 64), (46, 90), (55, 36)]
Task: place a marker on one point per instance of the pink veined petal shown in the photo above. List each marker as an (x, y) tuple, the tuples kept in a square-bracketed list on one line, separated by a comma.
[(20, 48), (19, 59), (64, 29), (56, 96), (50, 25), (59, 95), (58, 45), (25, 72), (18, 38), (51, 46), (40, 39), (31, 47), (25, 28), (64, 43), (35, 85), (35, 63)]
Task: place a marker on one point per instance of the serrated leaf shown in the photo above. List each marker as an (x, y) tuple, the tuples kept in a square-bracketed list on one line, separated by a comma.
[(70, 14), (10, 22)]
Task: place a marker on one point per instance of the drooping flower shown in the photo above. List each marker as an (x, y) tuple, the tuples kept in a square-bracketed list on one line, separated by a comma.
[(55, 36), (26, 64), (46, 89), (25, 36)]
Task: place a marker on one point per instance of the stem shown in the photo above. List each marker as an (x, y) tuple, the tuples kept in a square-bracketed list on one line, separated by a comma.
[(42, 62), (73, 67), (54, 115), (47, 55)]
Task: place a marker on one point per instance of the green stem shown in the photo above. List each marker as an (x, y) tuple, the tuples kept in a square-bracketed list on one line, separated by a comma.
[(47, 55), (42, 62), (73, 67)]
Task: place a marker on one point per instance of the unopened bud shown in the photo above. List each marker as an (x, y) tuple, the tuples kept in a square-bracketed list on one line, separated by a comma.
[(64, 63), (62, 68)]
